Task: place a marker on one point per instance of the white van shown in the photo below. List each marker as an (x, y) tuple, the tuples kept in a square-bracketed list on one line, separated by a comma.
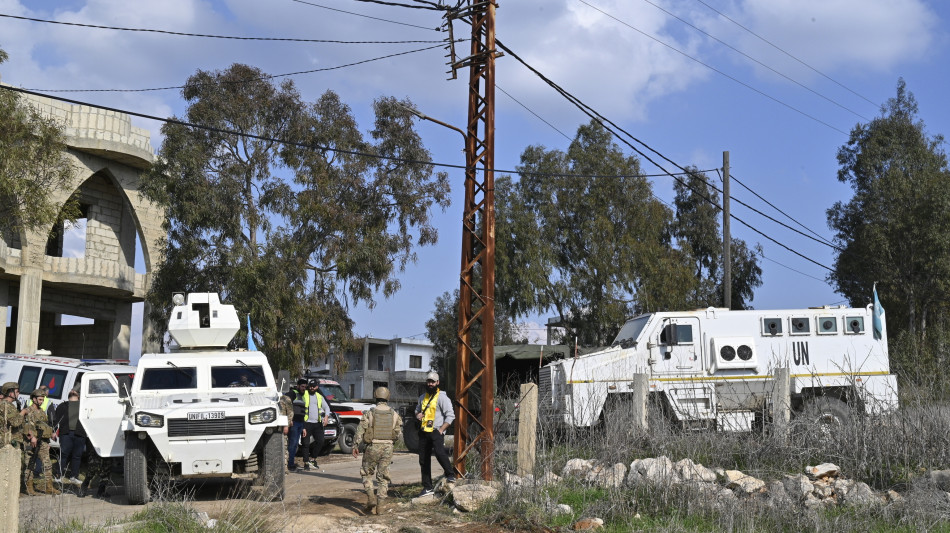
[(59, 374)]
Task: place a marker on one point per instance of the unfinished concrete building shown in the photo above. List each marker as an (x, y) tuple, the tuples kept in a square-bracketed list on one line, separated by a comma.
[(43, 277)]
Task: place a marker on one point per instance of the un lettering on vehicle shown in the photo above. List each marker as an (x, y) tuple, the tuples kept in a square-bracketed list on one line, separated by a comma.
[(800, 353)]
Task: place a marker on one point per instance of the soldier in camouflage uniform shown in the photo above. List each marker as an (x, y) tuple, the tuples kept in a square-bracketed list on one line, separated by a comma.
[(39, 451), (379, 429), (286, 407), (41, 433), (100, 469), (14, 426)]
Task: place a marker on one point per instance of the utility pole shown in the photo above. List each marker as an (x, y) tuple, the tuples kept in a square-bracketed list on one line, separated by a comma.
[(475, 367), (726, 238)]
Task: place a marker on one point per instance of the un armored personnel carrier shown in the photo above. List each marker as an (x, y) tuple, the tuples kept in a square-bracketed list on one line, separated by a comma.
[(201, 411)]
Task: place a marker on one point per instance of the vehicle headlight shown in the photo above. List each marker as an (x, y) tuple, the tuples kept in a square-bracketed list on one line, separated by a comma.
[(149, 420), (264, 416)]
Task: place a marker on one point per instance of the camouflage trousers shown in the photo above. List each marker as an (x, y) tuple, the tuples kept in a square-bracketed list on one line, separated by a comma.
[(376, 461), (31, 456), (99, 470)]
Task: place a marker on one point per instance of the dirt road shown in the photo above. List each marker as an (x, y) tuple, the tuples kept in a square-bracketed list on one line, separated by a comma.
[(314, 499)]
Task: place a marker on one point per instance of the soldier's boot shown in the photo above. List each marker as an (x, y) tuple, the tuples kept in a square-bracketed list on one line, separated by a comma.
[(370, 503), (28, 484), (50, 486), (101, 492), (380, 505)]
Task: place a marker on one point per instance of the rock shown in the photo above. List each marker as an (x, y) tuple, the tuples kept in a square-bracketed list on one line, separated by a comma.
[(588, 524), (576, 467), (607, 476), (941, 479), (743, 483), (470, 497), (549, 478), (513, 480), (688, 471), (658, 470), (776, 492), (861, 495), (822, 470), (563, 508), (823, 489), (894, 497), (797, 486)]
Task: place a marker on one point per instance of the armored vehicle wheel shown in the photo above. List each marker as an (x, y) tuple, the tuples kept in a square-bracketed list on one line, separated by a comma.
[(822, 419), (348, 438), (271, 464), (136, 470)]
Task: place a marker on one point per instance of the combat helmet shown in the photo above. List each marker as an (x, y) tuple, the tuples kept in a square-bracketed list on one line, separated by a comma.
[(9, 386), (381, 393)]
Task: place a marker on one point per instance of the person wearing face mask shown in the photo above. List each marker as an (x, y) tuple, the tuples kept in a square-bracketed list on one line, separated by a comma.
[(435, 414)]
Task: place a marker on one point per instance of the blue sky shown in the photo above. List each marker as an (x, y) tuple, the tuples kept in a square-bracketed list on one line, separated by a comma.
[(823, 66)]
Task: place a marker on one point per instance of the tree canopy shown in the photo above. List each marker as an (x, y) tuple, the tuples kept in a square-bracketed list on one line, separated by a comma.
[(594, 250), (291, 232), (894, 229), (33, 166)]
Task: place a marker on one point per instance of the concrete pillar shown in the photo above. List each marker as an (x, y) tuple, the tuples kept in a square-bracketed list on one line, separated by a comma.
[(149, 328), (362, 391), (4, 312), (121, 331), (28, 310), (10, 488), (527, 428), (782, 402), (641, 388)]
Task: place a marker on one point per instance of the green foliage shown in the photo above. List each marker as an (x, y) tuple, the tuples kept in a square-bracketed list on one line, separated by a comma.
[(291, 234), (593, 250), (698, 229), (33, 167), (894, 230)]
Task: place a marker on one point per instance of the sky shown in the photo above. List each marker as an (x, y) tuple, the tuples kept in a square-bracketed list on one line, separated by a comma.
[(779, 84)]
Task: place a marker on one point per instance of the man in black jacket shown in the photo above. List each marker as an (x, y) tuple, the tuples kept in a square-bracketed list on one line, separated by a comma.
[(72, 437)]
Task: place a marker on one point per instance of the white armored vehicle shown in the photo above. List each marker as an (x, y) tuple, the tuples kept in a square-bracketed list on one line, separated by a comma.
[(714, 368), (200, 411)]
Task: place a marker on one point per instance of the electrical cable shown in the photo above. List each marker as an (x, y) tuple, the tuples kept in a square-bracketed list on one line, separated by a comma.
[(770, 43), (592, 113), (397, 4), (794, 270), (532, 112), (362, 15), (312, 146), (183, 34), (714, 69), (269, 77), (747, 56), (770, 204)]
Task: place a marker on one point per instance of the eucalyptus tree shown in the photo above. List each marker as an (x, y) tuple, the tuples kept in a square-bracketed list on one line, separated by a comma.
[(894, 230), (593, 250), (285, 207)]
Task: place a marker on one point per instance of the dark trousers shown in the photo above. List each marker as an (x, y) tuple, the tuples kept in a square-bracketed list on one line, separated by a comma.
[(293, 440), (71, 447), (315, 433), (429, 443)]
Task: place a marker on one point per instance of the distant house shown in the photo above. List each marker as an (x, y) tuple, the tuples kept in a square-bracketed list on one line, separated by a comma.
[(400, 364)]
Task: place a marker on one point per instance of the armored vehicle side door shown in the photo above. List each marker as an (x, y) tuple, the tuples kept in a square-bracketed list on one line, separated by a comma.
[(681, 348), (101, 411)]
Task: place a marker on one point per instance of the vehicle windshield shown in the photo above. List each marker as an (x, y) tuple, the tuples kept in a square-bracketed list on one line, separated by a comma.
[(334, 393), (176, 377), (237, 376), (631, 331)]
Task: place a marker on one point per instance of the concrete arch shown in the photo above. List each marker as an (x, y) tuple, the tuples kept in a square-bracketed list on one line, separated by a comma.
[(109, 156)]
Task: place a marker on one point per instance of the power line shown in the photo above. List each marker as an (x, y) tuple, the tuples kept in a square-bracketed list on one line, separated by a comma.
[(714, 69), (794, 270), (770, 43), (533, 113), (747, 56), (241, 81), (313, 146), (433, 7), (362, 15), (790, 217), (592, 113), (207, 36)]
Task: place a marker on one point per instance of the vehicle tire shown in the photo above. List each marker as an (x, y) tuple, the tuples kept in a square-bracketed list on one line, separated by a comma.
[(271, 467), (136, 470), (822, 419), (348, 438), (410, 434)]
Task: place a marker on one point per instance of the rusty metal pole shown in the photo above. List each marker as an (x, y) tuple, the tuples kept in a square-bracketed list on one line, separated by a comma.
[(475, 368)]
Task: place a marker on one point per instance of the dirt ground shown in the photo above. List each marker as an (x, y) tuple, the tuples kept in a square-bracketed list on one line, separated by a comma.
[(328, 499)]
